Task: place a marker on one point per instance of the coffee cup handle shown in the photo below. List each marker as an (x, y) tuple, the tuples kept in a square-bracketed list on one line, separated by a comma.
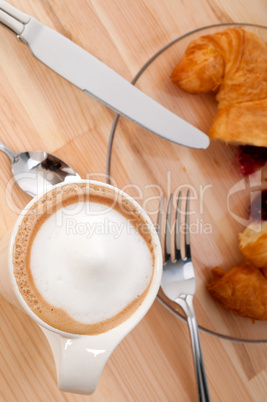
[(80, 360)]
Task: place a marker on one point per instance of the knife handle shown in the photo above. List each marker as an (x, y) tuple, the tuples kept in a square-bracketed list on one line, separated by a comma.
[(12, 17)]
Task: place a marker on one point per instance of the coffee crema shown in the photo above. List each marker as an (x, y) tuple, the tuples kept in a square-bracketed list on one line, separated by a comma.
[(83, 258)]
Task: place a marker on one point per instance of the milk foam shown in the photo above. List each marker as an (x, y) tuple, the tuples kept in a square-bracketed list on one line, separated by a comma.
[(92, 264)]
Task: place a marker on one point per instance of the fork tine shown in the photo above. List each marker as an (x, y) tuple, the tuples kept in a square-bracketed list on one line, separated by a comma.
[(168, 231), (187, 227), (159, 221), (177, 228)]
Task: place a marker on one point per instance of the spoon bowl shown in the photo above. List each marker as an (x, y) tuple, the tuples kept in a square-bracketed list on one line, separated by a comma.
[(35, 171)]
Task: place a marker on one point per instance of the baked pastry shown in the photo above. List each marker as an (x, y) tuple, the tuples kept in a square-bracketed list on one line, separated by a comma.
[(242, 289), (234, 64), (253, 243)]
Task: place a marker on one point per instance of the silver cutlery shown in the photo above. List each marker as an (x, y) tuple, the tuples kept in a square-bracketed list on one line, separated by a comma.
[(98, 80), (179, 282), (35, 171)]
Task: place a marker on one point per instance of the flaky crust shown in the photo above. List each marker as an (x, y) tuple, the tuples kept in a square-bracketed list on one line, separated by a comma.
[(242, 289), (253, 243), (233, 63)]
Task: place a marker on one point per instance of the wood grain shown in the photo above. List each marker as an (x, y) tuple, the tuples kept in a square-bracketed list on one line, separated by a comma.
[(40, 110)]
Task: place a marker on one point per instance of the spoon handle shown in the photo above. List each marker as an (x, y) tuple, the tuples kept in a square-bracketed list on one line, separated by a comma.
[(12, 155)]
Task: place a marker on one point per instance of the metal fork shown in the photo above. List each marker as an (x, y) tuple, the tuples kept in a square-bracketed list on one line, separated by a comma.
[(179, 282)]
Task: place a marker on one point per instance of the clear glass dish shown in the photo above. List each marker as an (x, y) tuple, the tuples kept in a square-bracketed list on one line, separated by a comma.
[(146, 166)]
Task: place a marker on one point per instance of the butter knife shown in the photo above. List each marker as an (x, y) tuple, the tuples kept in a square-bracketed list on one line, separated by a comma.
[(98, 80)]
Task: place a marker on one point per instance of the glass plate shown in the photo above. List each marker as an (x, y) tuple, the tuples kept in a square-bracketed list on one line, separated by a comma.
[(146, 166)]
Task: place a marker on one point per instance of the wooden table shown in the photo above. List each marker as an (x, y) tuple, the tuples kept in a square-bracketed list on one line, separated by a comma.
[(40, 110)]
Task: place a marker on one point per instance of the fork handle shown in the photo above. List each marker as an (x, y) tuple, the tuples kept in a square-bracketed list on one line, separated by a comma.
[(186, 303)]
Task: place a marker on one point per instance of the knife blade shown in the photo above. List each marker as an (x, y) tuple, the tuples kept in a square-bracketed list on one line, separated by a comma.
[(98, 80)]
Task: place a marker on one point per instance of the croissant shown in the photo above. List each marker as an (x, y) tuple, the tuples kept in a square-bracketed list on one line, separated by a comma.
[(242, 289), (234, 64), (253, 243)]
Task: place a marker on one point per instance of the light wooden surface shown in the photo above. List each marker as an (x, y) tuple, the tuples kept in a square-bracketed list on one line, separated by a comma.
[(40, 110)]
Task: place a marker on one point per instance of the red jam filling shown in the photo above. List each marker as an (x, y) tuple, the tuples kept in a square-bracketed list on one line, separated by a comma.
[(251, 158)]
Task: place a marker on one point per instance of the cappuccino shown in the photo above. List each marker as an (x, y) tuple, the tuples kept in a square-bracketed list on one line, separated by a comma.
[(83, 258)]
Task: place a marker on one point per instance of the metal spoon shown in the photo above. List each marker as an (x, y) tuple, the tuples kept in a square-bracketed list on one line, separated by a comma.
[(35, 171)]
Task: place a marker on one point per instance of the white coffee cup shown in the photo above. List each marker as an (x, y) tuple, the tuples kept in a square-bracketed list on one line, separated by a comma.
[(80, 359)]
